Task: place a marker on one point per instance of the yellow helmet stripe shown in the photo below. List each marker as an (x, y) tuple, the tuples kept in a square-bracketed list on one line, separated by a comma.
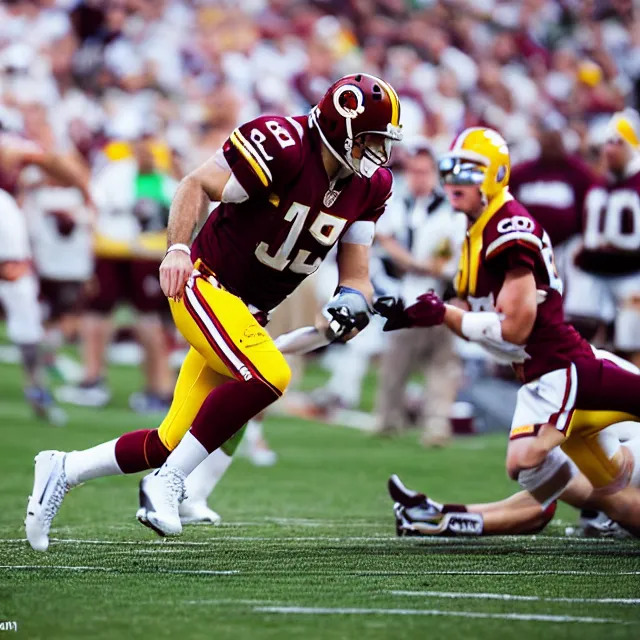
[(244, 147), (395, 102)]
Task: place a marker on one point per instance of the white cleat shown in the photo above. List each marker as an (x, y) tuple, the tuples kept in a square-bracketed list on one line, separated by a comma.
[(193, 511), (258, 453), (161, 493), (49, 487)]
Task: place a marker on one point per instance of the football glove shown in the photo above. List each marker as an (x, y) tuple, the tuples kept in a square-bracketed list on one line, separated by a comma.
[(427, 311), (347, 310), (393, 310)]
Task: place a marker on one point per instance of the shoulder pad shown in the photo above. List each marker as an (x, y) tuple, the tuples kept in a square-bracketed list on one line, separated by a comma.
[(512, 226), (265, 152)]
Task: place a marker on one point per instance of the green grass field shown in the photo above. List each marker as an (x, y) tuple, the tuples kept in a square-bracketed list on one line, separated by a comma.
[(307, 549)]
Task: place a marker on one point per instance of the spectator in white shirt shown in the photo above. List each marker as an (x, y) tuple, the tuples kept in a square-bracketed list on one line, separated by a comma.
[(421, 235)]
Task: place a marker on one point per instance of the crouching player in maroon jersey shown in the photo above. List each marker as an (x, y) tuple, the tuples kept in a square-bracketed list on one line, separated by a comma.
[(290, 188), (508, 279)]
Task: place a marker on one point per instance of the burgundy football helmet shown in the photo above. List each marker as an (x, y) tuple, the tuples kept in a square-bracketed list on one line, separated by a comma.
[(355, 107)]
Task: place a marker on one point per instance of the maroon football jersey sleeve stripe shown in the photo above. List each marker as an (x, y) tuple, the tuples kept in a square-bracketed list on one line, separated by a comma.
[(264, 154)]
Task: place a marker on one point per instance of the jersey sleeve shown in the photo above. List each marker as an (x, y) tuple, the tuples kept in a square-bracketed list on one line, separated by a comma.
[(513, 241), (265, 154), (512, 231), (363, 230)]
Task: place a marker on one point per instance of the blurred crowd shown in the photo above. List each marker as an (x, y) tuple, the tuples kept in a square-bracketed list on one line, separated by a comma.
[(141, 91)]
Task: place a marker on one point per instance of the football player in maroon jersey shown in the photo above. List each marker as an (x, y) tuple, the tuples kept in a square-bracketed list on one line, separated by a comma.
[(508, 279), (604, 284), (418, 514), (290, 189)]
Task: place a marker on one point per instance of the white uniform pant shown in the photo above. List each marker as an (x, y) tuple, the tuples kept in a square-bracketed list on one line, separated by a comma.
[(19, 300)]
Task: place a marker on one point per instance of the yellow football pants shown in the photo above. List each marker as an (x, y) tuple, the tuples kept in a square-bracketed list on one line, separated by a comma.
[(226, 343), (584, 445)]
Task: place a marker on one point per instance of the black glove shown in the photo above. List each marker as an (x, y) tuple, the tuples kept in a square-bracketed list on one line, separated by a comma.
[(393, 310), (347, 310)]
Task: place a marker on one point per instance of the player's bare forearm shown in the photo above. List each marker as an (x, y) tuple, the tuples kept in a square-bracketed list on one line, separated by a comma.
[(353, 269), (187, 206), (453, 318), (191, 201)]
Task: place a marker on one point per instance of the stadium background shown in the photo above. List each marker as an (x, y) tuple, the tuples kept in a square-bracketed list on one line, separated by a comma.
[(92, 79)]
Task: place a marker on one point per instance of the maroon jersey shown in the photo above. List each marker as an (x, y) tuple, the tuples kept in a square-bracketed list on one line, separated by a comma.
[(505, 237), (553, 191), (263, 248), (10, 171), (612, 228)]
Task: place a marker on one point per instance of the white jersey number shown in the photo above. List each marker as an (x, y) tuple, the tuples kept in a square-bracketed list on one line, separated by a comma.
[(278, 132), (606, 214), (326, 230)]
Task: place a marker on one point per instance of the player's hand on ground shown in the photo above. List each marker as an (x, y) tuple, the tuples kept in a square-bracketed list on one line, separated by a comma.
[(175, 270)]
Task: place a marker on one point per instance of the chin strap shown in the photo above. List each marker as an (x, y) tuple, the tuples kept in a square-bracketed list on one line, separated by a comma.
[(313, 119)]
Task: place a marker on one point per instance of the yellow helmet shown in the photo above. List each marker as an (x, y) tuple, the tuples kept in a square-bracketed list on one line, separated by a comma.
[(478, 156), (625, 125)]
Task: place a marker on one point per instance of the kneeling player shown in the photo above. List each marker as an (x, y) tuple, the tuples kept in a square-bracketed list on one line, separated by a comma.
[(520, 514), (508, 279)]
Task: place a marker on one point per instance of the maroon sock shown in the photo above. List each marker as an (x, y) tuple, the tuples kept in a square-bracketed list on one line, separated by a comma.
[(227, 408), (454, 508), (140, 450)]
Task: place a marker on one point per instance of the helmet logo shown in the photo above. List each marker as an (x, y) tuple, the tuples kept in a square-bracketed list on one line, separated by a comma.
[(348, 101)]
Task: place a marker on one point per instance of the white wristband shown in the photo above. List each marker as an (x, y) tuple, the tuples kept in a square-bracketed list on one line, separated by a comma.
[(179, 247)]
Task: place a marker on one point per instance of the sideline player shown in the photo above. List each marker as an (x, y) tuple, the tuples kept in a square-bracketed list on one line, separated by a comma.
[(291, 188), (604, 283), (508, 279), (18, 282)]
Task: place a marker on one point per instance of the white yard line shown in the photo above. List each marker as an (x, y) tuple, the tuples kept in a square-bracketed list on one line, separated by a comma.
[(508, 596), (229, 601), (542, 572), (64, 567), (432, 612), (496, 542), (219, 539)]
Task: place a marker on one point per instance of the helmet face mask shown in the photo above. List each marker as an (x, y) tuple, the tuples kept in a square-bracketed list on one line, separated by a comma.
[(460, 172), (480, 156), (358, 121), (374, 151)]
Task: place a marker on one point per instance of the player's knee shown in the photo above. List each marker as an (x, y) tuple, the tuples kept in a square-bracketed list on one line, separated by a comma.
[(525, 454), (548, 480)]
